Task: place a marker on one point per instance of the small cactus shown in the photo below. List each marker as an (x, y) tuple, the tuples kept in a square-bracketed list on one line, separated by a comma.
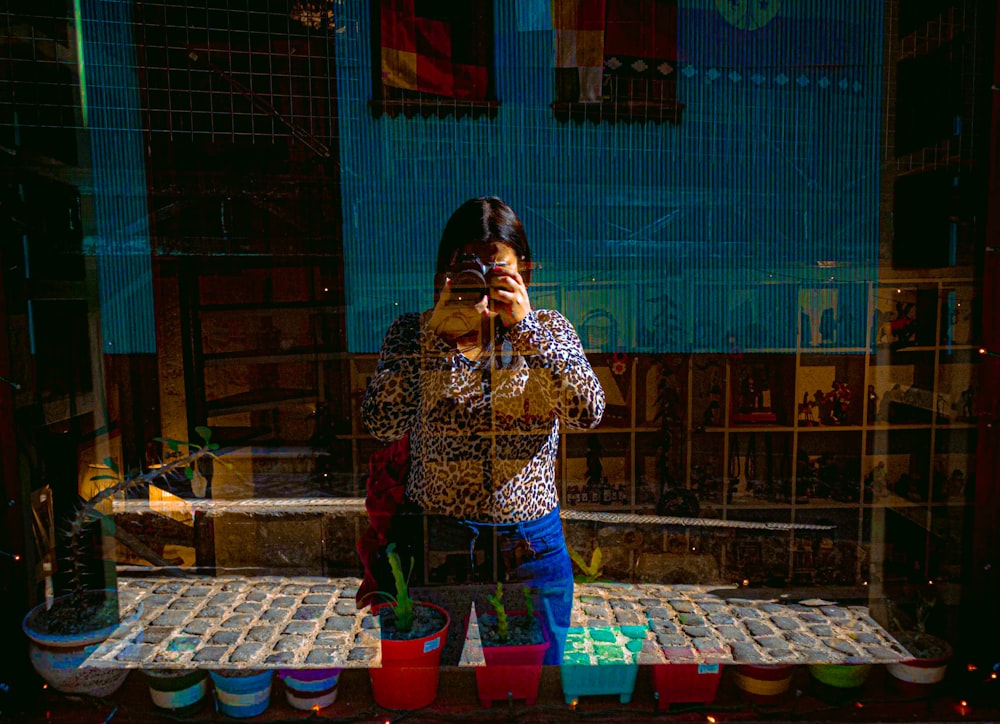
[(503, 627)]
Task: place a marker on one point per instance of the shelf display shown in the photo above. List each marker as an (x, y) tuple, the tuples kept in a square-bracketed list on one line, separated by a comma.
[(818, 433)]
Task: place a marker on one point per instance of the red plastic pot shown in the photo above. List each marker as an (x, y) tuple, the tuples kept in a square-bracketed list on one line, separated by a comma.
[(512, 672), (688, 683), (408, 677), (916, 677)]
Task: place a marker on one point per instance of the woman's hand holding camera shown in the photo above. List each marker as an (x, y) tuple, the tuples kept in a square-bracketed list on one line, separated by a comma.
[(456, 313), (453, 317), (509, 295)]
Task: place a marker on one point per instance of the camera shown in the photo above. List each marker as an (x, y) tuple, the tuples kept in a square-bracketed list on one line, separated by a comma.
[(470, 277)]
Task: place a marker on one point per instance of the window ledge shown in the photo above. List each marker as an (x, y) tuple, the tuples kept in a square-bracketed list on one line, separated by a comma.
[(433, 108), (612, 111)]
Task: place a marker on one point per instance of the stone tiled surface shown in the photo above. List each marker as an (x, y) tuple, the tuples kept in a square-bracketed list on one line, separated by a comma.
[(697, 624), (266, 622), (307, 622)]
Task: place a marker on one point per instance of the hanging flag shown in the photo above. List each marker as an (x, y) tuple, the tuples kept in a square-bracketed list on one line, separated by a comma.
[(624, 49), (640, 43), (440, 48), (579, 48)]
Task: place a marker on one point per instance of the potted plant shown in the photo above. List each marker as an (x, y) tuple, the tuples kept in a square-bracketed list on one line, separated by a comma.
[(413, 634), (310, 689), (931, 654), (836, 683), (514, 644), (65, 631), (177, 691), (763, 683), (242, 693)]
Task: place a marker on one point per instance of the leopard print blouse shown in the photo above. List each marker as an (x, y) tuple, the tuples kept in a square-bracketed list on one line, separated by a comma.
[(484, 435)]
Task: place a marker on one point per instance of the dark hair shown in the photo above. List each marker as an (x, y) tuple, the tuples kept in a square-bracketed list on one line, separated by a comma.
[(483, 220)]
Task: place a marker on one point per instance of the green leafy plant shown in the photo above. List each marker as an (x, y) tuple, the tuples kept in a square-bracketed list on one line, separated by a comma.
[(590, 571), (922, 601), (404, 604), (403, 608), (82, 609), (506, 628), (529, 602), (503, 628)]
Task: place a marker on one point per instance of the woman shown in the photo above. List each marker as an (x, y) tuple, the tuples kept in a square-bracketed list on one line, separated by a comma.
[(481, 383)]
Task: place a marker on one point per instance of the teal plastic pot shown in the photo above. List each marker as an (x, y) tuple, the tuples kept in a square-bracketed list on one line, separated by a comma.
[(242, 694)]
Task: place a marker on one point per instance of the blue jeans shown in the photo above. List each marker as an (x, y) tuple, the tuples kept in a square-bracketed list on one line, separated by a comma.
[(534, 554), (528, 554)]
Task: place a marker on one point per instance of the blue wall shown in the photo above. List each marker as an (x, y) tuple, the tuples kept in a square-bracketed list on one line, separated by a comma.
[(650, 237)]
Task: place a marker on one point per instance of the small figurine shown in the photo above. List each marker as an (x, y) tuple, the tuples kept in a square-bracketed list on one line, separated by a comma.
[(841, 401), (806, 411), (956, 485), (872, 404), (880, 481), (820, 402), (965, 401), (894, 395)]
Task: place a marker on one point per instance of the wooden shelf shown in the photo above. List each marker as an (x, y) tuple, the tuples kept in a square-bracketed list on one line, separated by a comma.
[(259, 400), (265, 307), (298, 354)]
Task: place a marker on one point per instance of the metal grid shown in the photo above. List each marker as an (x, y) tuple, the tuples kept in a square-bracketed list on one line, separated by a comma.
[(229, 69), (40, 107)]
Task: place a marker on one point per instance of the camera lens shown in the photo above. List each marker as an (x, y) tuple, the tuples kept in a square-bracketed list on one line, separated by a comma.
[(468, 280)]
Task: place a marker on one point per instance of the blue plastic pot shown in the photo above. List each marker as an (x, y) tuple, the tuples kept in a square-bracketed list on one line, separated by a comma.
[(244, 694)]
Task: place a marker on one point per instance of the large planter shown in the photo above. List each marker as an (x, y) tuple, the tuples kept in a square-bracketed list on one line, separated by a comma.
[(408, 676), (763, 684), (511, 671), (919, 675), (242, 694), (60, 659), (685, 683), (177, 691), (310, 689)]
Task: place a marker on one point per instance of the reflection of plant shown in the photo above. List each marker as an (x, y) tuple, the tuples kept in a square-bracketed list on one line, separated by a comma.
[(911, 629), (926, 600), (80, 610), (591, 571)]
